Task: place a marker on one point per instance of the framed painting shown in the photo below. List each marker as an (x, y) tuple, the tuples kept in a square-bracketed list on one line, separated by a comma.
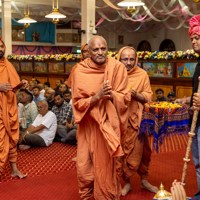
[(159, 69), (56, 67), (40, 67), (26, 66), (18, 33), (185, 69)]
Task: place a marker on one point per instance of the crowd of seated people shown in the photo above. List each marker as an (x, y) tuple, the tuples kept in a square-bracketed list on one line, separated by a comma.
[(45, 115)]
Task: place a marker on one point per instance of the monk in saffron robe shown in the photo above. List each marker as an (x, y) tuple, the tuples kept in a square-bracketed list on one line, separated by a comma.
[(99, 85), (137, 152), (9, 124)]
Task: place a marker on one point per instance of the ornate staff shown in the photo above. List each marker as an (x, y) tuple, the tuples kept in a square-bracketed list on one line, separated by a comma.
[(191, 135)]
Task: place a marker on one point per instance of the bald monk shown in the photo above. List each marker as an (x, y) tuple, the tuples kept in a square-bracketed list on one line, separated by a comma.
[(99, 85), (137, 151), (84, 54), (9, 124)]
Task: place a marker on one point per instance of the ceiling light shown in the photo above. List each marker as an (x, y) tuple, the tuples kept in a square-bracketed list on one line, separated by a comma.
[(55, 14), (131, 3), (26, 20)]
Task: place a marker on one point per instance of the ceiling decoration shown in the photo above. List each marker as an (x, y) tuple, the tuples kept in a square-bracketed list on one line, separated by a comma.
[(153, 14), (173, 14)]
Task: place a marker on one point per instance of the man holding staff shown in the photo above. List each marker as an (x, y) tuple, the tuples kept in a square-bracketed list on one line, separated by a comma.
[(194, 32)]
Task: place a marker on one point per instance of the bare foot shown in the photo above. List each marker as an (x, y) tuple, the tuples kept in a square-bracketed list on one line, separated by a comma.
[(19, 174), (15, 172), (126, 189), (24, 147), (146, 185)]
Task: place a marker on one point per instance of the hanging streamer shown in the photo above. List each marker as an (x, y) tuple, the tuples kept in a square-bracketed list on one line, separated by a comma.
[(110, 4), (106, 18), (185, 7), (179, 26), (156, 10), (152, 16), (99, 22)]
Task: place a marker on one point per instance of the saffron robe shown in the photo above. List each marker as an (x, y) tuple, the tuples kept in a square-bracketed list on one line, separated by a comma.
[(100, 127), (9, 125), (138, 80)]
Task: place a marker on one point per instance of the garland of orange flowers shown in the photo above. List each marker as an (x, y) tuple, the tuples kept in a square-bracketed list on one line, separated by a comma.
[(164, 105)]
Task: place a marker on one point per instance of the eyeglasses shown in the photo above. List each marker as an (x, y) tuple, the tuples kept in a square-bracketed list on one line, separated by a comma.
[(127, 59)]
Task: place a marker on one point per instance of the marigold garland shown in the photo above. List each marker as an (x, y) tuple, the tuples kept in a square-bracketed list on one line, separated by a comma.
[(142, 55), (164, 105)]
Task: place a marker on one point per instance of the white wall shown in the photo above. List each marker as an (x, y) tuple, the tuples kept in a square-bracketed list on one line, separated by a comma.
[(179, 37)]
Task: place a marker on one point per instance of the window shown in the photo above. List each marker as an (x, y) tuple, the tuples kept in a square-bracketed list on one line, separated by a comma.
[(167, 45), (144, 45)]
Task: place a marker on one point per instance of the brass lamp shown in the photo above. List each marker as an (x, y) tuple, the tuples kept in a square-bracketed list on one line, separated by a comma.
[(131, 5), (55, 15), (26, 20), (162, 194)]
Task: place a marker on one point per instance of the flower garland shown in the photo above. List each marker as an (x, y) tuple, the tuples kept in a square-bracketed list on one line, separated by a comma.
[(167, 55), (164, 105), (142, 55), (159, 108), (46, 57)]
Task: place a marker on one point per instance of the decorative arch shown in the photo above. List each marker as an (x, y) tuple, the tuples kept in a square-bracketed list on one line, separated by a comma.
[(144, 45), (167, 45)]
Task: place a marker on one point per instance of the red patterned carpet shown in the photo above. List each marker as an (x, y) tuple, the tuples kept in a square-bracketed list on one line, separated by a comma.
[(52, 173), (43, 161)]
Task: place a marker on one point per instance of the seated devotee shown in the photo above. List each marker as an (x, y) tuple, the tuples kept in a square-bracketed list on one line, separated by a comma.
[(42, 131), (58, 83), (29, 110), (68, 132), (42, 90), (49, 96), (160, 95), (60, 109), (47, 85), (62, 88), (67, 96), (171, 97), (31, 85), (36, 94)]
